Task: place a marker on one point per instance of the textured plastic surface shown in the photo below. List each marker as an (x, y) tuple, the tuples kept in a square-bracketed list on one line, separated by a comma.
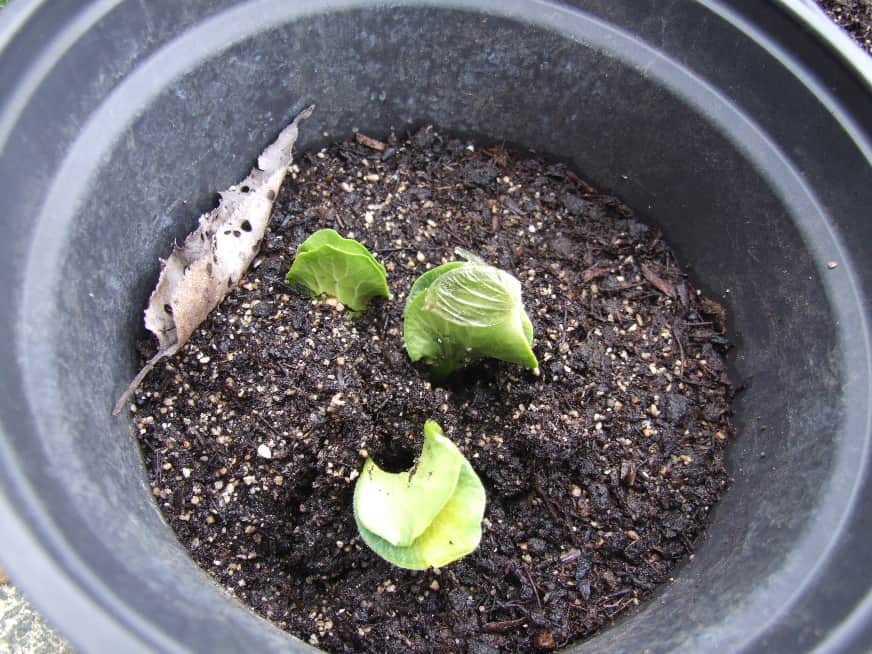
[(738, 126)]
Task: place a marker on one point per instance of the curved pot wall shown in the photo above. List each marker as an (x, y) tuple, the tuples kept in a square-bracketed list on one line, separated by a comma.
[(735, 126)]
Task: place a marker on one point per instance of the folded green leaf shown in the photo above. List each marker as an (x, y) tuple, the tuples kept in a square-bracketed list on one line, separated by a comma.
[(327, 263), (462, 311), (426, 280), (427, 517)]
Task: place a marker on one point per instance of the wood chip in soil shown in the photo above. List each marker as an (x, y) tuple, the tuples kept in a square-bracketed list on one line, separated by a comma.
[(600, 473)]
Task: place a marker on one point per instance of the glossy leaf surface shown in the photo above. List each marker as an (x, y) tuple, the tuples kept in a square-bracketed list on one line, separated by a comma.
[(462, 311)]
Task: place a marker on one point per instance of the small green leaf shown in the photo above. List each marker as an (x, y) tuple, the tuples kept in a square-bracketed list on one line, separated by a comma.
[(327, 263), (456, 531), (462, 311), (424, 281), (473, 295), (400, 506), (427, 517)]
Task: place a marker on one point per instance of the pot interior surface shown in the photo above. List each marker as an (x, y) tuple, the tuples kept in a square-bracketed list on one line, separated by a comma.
[(148, 114)]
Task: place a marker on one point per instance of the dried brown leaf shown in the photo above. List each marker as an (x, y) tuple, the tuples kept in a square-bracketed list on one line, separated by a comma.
[(715, 311), (215, 256), (683, 294), (512, 206), (503, 626), (595, 271), (658, 282), (369, 142), (628, 472)]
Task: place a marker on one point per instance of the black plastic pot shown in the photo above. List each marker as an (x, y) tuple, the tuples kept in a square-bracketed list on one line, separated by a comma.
[(743, 128)]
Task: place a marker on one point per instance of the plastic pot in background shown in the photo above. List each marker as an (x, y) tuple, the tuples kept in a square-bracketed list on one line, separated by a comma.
[(741, 127)]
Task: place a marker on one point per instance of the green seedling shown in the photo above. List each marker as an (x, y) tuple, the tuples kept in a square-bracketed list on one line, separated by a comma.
[(328, 264), (426, 517), (466, 310)]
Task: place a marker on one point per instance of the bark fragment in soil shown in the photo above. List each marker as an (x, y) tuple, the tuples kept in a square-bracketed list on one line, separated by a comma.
[(600, 473)]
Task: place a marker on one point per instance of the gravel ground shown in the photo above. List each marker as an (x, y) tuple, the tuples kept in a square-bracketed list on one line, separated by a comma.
[(22, 631)]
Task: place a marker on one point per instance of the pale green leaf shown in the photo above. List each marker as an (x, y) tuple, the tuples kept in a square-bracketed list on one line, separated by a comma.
[(400, 506), (332, 238), (456, 531), (425, 280), (473, 295), (327, 263), (394, 507), (462, 311)]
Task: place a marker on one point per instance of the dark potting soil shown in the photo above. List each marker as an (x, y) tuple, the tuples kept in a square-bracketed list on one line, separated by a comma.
[(600, 472)]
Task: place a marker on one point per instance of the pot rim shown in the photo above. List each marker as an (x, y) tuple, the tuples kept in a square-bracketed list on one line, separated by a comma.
[(33, 547)]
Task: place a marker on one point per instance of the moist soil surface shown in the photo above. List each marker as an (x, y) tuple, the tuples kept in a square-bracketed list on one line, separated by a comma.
[(600, 471)]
